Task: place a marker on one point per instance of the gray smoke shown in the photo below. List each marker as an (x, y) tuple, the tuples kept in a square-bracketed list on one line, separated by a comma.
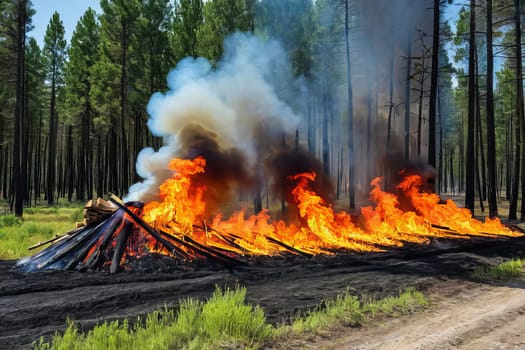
[(232, 109)]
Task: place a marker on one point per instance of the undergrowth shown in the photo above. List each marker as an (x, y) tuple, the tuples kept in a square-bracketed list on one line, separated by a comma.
[(503, 271), (226, 321)]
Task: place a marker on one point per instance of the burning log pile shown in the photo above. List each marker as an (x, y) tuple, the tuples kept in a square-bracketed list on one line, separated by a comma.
[(116, 234)]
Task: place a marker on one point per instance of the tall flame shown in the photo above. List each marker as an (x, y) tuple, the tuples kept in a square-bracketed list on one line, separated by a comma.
[(320, 229)]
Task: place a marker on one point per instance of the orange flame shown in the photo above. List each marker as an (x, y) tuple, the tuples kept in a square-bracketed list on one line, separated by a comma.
[(321, 230)]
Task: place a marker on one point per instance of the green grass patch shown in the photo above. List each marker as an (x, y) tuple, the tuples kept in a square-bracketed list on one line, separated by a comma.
[(226, 321), (503, 271), (223, 321), (348, 310), (38, 224)]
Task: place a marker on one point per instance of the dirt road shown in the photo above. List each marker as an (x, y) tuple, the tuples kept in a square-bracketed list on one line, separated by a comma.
[(463, 315)]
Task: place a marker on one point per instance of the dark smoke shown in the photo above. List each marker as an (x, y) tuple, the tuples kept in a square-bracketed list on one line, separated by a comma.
[(226, 169)]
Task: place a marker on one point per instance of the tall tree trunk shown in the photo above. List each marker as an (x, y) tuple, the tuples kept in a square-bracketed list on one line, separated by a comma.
[(408, 89), (491, 133), (480, 146), (111, 161), (479, 155), (38, 171), (433, 86), (420, 107), (452, 185), (69, 166), (52, 150), (123, 110), (100, 168), (513, 208), (470, 180), (326, 144), (519, 102), (508, 156), (461, 156), (19, 109), (351, 170), (369, 131), (390, 91)]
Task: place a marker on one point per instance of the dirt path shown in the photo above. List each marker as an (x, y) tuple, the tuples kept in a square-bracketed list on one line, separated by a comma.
[(464, 315)]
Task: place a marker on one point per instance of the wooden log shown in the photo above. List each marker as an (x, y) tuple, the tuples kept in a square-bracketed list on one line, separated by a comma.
[(57, 237), (205, 251), (71, 244), (97, 257), (121, 246), (288, 247), (171, 248)]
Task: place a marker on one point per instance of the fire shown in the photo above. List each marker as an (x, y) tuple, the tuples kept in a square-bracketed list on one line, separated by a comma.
[(180, 214)]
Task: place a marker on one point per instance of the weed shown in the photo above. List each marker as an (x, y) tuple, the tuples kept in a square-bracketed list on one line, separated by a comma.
[(503, 271)]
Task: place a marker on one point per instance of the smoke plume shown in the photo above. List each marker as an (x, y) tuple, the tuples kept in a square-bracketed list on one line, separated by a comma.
[(229, 114)]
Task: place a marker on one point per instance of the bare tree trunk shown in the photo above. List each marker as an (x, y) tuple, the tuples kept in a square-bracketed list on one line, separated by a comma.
[(390, 93), (513, 208), (124, 166), (420, 107), (470, 161), (508, 156), (38, 159), (451, 160), (70, 166), (461, 160), (480, 148), (351, 170), (433, 87), (491, 134), (519, 102), (407, 94), (19, 109), (479, 157)]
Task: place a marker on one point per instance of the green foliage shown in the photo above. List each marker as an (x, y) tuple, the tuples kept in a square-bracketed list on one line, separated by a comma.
[(188, 21), (504, 271), (222, 17), (82, 57), (55, 48)]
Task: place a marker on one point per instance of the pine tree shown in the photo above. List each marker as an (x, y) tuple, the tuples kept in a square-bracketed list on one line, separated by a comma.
[(83, 54), (55, 53)]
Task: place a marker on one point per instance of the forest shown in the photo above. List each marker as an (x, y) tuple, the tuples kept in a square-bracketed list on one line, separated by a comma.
[(430, 83)]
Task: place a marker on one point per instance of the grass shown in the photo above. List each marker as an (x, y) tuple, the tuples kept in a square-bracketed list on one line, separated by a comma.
[(503, 271), (38, 224), (348, 310), (226, 321)]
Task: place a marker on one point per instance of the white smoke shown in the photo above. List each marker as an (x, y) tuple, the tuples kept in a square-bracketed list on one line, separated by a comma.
[(236, 100)]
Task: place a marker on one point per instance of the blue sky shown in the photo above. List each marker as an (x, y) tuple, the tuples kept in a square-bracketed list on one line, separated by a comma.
[(70, 12)]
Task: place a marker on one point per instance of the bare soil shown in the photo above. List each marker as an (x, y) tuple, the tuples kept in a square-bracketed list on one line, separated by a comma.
[(463, 312), (462, 315)]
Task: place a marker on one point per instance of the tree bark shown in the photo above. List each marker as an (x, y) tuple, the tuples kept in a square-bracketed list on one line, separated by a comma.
[(19, 109), (433, 87), (351, 170), (519, 103), (407, 94), (123, 110), (491, 134), (470, 180)]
